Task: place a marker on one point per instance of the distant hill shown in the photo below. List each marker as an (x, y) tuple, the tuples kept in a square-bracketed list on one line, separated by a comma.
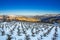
[(47, 18), (8, 18)]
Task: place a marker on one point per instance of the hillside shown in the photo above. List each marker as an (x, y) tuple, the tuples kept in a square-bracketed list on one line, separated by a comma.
[(47, 18), (18, 18)]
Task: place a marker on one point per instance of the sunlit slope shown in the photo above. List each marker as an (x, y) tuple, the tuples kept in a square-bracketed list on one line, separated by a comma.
[(22, 18)]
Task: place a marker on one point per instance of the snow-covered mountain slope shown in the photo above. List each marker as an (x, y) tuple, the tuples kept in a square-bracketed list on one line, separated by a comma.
[(29, 31)]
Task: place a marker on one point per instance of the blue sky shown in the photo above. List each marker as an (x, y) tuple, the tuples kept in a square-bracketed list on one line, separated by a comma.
[(23, 7)]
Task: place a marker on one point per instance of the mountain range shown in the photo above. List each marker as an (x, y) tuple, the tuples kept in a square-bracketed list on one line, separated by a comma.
[(47, 18)]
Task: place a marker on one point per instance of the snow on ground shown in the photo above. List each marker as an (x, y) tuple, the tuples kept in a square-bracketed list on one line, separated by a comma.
[(58, 38), (29, 31)]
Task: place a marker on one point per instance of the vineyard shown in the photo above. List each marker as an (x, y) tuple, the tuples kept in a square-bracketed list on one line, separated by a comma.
[(29, 31)]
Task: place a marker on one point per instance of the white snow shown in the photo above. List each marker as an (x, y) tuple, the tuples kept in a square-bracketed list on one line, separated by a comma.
[(28, 31)]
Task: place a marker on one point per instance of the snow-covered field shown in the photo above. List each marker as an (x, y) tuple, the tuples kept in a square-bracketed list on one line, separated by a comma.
[(29, 31)]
